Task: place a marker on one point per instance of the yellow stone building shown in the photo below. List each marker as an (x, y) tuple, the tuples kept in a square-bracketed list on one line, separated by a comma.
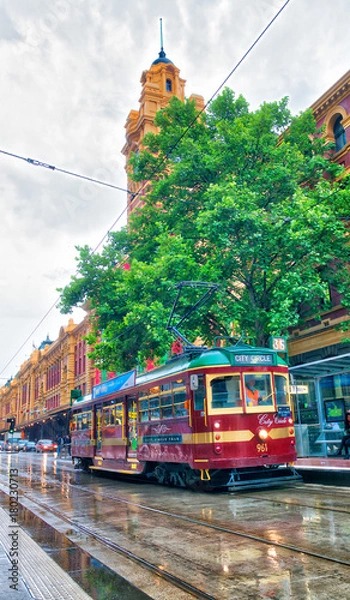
[(39, 396)]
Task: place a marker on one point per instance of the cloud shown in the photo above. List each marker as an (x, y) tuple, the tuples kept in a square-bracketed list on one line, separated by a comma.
[(8, 30)]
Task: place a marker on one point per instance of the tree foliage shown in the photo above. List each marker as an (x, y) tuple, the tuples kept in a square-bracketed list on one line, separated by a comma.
[(249, 200)]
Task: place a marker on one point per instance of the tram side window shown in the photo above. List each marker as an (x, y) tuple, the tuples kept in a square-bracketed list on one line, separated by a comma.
[(112, 415), (106, 416), (180, 408), (143, 410), (226, 392), (199, 394), (118, 412), (166, 402), (281, 390), (154, 409), (83, 421)]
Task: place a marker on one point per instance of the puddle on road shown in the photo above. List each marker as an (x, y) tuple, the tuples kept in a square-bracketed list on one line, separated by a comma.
[(97, 580)]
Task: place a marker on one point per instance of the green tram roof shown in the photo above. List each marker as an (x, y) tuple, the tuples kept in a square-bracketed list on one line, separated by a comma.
[(234, 356), (196, 358)]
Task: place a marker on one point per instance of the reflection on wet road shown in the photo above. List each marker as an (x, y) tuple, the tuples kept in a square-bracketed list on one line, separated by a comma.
[(266, 544)]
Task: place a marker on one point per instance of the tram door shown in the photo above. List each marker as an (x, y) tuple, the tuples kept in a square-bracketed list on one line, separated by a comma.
[(98, 430), (199, 414), (131, 426)]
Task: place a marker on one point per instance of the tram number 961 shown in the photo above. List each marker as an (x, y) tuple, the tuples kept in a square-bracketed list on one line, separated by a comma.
[(261, 447)]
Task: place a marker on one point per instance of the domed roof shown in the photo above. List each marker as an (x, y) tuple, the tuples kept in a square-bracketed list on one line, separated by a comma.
[(162, 58), (46, 342)]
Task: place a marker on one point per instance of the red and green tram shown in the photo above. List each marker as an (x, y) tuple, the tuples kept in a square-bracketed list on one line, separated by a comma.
[(209, 418)]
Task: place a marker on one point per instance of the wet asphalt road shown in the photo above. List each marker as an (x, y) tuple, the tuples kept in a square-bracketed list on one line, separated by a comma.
[(289, 543)]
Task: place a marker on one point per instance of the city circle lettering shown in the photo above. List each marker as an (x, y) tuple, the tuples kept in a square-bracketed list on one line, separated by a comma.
[(253, 360)]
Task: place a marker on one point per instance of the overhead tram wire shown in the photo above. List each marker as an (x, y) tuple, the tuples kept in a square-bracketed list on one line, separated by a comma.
[(28, 338), (38, 163), (142, 187)]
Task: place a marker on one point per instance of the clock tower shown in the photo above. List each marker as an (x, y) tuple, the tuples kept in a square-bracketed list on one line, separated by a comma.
[(159, 84)]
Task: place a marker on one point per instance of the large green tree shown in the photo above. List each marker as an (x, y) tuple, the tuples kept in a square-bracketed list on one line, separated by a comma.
[(249, 200)]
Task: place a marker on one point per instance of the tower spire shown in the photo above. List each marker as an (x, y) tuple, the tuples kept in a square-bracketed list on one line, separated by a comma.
[(161, 33), (162, 54)]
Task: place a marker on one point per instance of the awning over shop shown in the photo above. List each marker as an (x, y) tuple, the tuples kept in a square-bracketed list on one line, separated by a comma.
[(321, 368), (54, 415)]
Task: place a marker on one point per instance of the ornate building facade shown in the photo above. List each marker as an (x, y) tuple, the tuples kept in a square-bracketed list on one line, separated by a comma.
[(319, 351), (39, 396)]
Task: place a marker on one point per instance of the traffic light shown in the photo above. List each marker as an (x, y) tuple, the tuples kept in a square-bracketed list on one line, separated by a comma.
[(12, 425)]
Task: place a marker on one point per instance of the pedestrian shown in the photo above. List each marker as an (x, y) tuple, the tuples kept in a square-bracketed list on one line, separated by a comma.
[(67, 442), (59, 443), (345, 443)]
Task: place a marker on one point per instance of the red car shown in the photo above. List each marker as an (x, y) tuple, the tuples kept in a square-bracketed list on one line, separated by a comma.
[(45, 446)]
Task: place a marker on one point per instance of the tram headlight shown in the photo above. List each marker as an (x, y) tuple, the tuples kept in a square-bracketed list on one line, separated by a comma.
[(217, 424), (263, 434)]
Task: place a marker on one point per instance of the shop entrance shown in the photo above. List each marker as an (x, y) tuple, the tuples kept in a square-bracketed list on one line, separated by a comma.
[(307, 417)]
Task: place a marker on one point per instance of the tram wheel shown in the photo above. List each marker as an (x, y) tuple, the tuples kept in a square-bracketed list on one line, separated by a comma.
[(162, 474), (86, 464), (193, 480)]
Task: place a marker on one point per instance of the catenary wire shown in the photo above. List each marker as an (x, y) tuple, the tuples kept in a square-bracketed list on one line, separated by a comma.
[(38, 163), (136, 194)]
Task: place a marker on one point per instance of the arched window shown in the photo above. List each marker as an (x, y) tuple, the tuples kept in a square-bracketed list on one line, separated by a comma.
[(339, 133), (168, 85)]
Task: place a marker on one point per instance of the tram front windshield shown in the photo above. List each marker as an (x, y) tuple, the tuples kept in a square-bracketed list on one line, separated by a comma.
[(256, 391)]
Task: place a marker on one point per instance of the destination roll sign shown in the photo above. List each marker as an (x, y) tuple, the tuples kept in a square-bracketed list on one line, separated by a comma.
[(256, 359)]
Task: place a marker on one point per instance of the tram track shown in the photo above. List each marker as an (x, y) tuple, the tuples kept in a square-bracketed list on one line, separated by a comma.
[(178, 517), (298, 504), (241, 493), (222, 529), (175, 581)]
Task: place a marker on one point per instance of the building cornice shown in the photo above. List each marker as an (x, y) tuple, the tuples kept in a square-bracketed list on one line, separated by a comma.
[(333, 96)]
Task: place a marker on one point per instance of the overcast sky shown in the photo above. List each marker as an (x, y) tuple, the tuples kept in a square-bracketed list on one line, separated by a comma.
[(70, 74)]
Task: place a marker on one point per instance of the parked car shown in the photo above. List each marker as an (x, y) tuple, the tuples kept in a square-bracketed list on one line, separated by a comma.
[(29, 446), (45, 446)]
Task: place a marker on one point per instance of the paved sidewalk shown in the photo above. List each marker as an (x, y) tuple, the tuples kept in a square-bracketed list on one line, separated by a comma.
[(32, 574)]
